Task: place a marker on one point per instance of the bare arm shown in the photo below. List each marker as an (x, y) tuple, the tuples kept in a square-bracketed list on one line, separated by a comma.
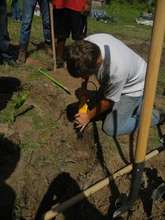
[(82, 119), (102, 106), (87, 7)]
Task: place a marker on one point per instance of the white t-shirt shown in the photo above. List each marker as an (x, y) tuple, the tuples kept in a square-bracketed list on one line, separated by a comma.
[(126, 72)]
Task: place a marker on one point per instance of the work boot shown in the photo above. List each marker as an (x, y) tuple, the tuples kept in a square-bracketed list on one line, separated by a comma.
[(48, 47), (59, 63), (7, 59), (162, 118), (22, 55)]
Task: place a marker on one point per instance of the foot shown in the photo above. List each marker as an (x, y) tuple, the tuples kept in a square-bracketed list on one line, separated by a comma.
[(48, 48), (22, 56), (60, 63), (6, 58), (162, 118), (44, 46)]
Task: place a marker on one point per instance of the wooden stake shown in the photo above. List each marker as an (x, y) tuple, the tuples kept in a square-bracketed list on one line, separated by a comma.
[(52, 35)]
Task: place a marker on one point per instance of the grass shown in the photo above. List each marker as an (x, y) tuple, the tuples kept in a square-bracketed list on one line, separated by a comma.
[(124, 25)]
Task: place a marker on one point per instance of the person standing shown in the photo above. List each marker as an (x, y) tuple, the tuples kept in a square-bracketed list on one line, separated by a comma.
[(4, 35), (16, 11), (70, 18), (6, 50), (28, 12)]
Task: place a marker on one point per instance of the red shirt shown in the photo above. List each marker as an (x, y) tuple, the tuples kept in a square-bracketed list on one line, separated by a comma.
[(76, 5)]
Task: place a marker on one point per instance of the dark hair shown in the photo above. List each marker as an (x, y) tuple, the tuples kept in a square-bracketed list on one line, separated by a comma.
[(82, 58)]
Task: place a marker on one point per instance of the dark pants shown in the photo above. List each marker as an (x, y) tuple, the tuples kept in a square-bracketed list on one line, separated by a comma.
[(4, 35), (68, 22), (28, 12), (125, 116)]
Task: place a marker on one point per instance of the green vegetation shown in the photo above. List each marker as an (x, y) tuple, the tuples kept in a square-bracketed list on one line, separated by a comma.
[(124, 25)]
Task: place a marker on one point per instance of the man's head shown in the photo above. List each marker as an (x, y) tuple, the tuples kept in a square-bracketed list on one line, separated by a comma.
[(83, 59)]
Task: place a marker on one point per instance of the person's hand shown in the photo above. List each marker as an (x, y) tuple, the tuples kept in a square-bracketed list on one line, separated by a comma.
[(81, 120), (87, 8)]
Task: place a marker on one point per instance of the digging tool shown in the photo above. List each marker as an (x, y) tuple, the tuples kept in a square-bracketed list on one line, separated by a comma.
[(54, 81), (59, 208), (52, 35), (22, 111), (83, 107), (146, 114), (149, 94)]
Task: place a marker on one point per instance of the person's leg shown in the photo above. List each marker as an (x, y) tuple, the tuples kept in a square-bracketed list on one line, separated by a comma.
[(4, 35), (16, 11), (13, 10), (78, 24), (44, 7), (124, 118), (28, 11), (62, 31)]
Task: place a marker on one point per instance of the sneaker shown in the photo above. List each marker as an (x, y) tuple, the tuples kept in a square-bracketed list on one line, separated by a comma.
[(22, 56)]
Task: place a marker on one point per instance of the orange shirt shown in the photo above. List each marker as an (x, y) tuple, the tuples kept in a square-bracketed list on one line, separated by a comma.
[(76, 5)]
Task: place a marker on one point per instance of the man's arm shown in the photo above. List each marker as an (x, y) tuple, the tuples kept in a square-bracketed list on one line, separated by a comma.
[(82, 119), (102, 107), (87, 7)]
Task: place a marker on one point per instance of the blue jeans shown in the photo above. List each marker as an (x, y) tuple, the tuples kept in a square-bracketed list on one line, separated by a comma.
[(28, 12), (16, 11), (4, 35), (124, 118)]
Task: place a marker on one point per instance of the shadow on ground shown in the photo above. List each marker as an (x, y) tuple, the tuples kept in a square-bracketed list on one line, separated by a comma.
[(8, 85), (9, 157)]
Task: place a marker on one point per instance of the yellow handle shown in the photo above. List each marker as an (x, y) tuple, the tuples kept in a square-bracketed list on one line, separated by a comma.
[(83, 108)]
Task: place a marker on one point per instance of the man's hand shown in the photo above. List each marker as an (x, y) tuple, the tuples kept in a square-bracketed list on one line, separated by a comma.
[(87, 7), (81, 120)]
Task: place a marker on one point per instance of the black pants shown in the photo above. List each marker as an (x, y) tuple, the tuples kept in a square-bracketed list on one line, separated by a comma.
[(68, 22), (4, 35)]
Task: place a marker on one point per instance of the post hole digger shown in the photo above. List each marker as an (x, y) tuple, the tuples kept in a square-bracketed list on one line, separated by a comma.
[(140, 157), (149, 95)]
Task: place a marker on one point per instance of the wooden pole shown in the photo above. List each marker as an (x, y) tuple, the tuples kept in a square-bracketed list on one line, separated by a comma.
[(151, 80), (149, 95), (52, 35), (146, 114), (91, 190)]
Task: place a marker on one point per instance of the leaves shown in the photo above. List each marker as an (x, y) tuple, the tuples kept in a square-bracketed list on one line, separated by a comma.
[(21, 99)]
